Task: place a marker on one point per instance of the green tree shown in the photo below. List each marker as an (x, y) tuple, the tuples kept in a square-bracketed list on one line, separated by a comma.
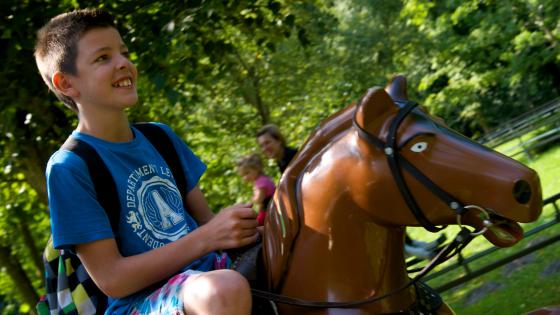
[(202, 61), (488, 60)]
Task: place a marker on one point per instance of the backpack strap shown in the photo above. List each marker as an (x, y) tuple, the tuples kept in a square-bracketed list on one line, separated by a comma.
[(108, 198), (103, 181), (161, 141)]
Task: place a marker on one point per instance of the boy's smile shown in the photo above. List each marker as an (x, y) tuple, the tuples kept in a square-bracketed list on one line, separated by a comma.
[(106, 78)]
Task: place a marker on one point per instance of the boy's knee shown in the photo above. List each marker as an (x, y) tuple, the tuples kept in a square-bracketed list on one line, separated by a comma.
[(217, 290), (227, 281)]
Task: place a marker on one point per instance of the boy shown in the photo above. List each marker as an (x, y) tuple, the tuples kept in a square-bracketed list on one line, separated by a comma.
[(84, 61)]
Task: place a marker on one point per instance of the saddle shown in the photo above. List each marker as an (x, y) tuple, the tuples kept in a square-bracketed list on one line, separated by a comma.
[(247, 260)]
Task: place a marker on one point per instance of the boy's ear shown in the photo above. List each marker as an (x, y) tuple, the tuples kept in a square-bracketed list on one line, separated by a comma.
[(63, 84)]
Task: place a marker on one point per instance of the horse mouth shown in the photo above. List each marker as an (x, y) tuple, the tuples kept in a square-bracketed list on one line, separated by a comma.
[(503, 232)]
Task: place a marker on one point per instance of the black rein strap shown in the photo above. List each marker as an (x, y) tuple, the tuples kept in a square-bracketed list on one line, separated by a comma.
[(459, 242), (396, 160)]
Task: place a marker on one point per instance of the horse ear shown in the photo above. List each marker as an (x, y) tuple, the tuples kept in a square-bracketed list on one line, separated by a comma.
[(373, 106), (396, 88)]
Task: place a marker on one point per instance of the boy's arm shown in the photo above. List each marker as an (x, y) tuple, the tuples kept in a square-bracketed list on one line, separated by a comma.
[(119, 276), (198, 206)]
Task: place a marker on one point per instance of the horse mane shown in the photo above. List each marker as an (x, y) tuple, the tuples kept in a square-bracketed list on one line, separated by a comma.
[(286, 211), (287, 201)]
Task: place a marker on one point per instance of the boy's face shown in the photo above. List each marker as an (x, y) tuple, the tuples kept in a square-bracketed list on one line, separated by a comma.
[(106, 79)]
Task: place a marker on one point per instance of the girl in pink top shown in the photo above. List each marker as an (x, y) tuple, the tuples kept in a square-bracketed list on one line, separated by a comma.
[(250, 168)]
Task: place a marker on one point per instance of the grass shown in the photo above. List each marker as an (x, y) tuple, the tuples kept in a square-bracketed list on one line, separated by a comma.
[(525, 284)]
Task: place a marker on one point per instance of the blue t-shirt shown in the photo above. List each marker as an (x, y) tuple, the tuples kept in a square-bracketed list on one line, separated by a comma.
[(151, 214)]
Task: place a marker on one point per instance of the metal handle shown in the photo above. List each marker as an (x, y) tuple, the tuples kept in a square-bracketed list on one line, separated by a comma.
[(485, 221)]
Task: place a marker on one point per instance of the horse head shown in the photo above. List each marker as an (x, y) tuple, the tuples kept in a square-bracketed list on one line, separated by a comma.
[(484, 181), (335, 230)]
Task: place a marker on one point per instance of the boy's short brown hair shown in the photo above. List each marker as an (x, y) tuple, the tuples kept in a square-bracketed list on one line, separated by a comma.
[(56, 48)]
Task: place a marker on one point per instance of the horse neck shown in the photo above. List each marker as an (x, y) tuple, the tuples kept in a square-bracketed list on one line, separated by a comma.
[(346, 256), (333, 227), (354, 240), (335, 251)]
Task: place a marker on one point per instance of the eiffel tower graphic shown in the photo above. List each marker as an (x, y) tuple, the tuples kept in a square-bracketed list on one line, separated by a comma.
[(168, 217)]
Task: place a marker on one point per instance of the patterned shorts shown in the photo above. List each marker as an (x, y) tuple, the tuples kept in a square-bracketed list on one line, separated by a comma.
[(166, 300)]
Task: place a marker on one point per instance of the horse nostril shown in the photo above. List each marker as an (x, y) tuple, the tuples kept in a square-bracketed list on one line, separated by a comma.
[(522, 191)]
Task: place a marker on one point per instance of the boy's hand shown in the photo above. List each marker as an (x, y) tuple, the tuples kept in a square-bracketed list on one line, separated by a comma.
[(232, 227)]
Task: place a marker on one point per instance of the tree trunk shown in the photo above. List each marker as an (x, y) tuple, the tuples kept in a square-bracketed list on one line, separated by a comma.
[(34, 252), (34, 171), (251, 94), (250, 88), (21, 282), (34, 154), (263, 110)]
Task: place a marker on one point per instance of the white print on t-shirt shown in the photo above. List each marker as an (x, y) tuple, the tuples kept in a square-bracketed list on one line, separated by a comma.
[(155, 209), (133, 220)]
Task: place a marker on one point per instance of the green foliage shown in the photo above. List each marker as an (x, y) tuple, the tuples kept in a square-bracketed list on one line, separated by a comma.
[(490, 60)]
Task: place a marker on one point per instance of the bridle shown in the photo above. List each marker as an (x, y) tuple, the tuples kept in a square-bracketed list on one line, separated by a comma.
[(396, 160)]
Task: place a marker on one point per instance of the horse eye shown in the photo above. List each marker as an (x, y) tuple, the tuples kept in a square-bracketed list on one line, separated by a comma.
[(419, 147)]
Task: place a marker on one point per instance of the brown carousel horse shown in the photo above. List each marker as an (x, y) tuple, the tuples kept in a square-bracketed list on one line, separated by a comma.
[(547, 310), (334, 235)]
